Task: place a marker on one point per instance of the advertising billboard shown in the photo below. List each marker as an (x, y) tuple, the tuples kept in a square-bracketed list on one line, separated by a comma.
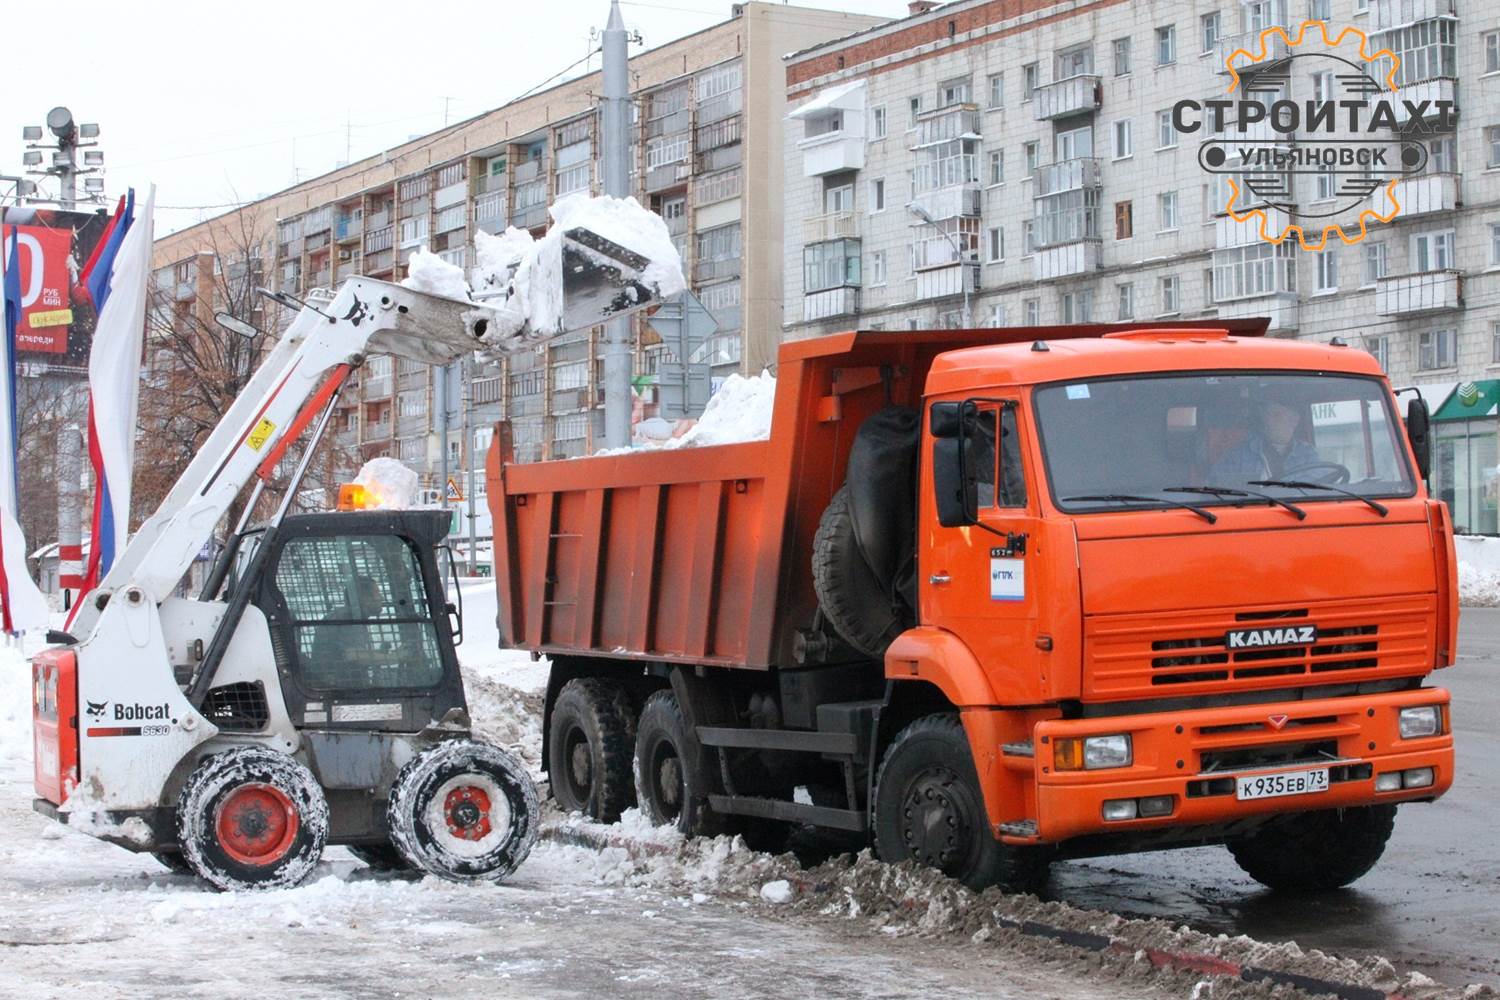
[(57, 318)]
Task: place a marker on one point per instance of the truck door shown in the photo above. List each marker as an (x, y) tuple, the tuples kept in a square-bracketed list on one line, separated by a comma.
[(982, 581)]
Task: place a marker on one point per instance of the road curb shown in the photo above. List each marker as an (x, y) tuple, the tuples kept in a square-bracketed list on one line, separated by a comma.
[(1202, 962)]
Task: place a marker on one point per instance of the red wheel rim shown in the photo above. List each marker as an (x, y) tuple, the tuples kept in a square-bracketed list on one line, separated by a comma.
[(466, 810), (256, 824)]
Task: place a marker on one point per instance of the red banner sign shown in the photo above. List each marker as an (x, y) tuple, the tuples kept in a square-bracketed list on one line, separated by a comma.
[(46, 312)]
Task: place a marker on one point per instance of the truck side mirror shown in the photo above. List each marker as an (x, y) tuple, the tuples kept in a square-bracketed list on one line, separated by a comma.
[(1419, 433), (944, 422), (953, 483)]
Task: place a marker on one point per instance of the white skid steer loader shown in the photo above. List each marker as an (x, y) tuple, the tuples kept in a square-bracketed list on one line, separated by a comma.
[(311, 694)]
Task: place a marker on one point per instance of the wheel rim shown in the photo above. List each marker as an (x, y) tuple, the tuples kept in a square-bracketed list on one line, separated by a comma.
[(666, 779), (466, 809), (469, 815), (578, 772), (256, 824), (936, 825)]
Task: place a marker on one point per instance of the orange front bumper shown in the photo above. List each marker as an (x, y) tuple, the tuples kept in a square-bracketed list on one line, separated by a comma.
[(1193, 756)]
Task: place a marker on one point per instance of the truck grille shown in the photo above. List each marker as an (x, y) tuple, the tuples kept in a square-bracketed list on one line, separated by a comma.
[(1182, 653)]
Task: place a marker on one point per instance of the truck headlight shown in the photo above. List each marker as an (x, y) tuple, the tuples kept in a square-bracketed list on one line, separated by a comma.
[(1426, 720), (1092, 753)]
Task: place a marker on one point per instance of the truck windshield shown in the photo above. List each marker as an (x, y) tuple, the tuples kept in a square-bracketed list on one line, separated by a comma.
[(1219, 439)]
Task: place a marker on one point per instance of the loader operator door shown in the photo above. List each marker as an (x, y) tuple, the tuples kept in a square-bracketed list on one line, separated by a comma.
[(359, 631)]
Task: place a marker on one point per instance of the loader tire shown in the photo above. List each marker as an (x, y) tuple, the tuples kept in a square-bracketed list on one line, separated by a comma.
[(590, 741), (173, 861), (929, 809), (672, 774), (251, 818), (463, 811), (1317, 851), (848, 592), (379, 857)]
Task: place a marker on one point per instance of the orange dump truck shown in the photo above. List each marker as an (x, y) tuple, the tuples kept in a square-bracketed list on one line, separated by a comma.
[(995, 597)]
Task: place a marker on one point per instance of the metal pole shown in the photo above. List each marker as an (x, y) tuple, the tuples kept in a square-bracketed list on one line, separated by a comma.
[(69, 507), (468, 454), (614, 120), (442, 400)]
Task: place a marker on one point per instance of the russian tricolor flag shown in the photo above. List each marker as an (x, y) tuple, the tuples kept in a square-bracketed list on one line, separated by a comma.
[(22, 605), (116, 277)]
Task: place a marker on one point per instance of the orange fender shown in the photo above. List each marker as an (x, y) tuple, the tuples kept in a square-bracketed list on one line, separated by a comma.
[(942, 659)]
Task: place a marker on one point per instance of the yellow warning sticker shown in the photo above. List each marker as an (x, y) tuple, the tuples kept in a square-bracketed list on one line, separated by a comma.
[(260, 435)]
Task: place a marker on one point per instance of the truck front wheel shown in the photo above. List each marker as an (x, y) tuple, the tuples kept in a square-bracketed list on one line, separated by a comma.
[(1320, 850), (589, 743), (929, 808), (671, 772)]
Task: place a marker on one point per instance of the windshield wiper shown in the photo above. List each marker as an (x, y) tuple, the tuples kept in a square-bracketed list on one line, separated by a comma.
[(1207, 515), (1300, 484), (1225, 491)]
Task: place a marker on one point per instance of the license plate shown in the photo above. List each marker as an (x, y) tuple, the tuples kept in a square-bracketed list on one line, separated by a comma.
[(1269, 786)]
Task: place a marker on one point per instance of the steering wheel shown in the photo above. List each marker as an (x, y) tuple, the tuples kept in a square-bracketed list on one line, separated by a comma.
[(1333, 472)]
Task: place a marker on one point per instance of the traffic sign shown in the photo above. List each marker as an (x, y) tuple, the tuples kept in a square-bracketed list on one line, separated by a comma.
[(455, 495)]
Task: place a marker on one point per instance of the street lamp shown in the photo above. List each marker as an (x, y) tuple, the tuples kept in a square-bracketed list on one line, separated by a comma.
[(963, 279)]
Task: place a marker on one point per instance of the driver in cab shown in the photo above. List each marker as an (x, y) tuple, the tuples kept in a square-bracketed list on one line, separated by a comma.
[(1272, 449)]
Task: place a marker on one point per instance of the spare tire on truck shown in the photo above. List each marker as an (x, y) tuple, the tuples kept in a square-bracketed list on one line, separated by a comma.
[(863, 568)]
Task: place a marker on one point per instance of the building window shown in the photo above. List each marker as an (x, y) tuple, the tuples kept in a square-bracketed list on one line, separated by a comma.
[(877, 195), (1327, 184), (1073, 144), (1494, 342), (1033, 312), (915, 104), (1254, 270), (997, 167), (1209, 29), (1166, 211), (877, 122), (839, 198), (1077, 61), (1492, 51), (1442, 155), (830, 264), (1492, 145), (1166, 45), (997, 314), (1078, 307), (877, 267), (1427, 49), (1317, 10), (1166, 135), (1495, 244), (1380, 347), (1031, 151), (1361, 6), (1123, 146), (1125, 301), (1122, 56), (1328, 270), (1169, 296), (953, 92), (995, 242), (1124, 221), (1028, 237), (997, 90), (1374, 263), (1432, 251), (1437, 349), (1028, 81)]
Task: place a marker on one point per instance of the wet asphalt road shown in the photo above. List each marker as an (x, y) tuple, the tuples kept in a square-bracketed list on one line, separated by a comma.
[(1433, 902)]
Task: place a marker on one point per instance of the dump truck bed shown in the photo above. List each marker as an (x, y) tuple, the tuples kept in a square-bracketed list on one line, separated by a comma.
[(703, 555)]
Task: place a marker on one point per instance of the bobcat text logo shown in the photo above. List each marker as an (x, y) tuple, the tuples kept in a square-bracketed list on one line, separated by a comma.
[(136, 712), (1256, 638)]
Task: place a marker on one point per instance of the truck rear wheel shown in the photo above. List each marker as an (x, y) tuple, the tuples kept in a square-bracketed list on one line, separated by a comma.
[(671, 772), (848, 591), (589, 744), (463, 811), (929, 808), (1320, 850), (251, 818)]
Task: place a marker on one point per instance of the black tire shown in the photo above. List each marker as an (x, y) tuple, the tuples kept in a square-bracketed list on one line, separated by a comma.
[(251, 818), (672, 774), (174, 862), (590, 741), (380, 857), (463, 811), (929, 808), (1316, 851), (848, 592)]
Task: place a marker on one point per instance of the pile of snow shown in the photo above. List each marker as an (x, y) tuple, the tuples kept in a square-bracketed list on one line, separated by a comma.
[(15, 703), (392, 485), (427, 272), (739, 412), (1478, 570)]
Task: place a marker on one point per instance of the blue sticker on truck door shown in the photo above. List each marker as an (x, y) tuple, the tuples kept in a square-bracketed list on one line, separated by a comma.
[(1007, 579)]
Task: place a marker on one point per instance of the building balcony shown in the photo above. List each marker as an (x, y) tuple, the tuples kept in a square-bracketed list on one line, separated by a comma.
[(412, 424), (952, 202), (376, 430), (1421, 195), (830, 302), (346, 269), (1415, 294), (1439, 88), (1066, 259), (377, 387), (185, 291), (953, 279), (315, 241), (378, 220), (833, 226), (956, 121), (831, 152), (1229, 233), (349, 229), (319, 279), (453, 194), (1388, 14), (530, 217), (714, 269), (1279, 307), (1065, 175), (667, 176), (1276, 49), (1076, 95)]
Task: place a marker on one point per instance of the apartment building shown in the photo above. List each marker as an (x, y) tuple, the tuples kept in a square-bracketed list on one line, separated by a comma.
[(1034, 144), (708, 154)]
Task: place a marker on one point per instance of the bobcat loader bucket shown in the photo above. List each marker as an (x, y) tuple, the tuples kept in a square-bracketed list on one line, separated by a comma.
[(600, 280)]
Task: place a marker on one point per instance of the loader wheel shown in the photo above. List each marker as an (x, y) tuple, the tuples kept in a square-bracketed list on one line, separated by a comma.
[(929, 808), (589, 745), (251, 818), (173, 861), (379, 857), (463, 811), (1327, 849), (847, 590), (671, 772)]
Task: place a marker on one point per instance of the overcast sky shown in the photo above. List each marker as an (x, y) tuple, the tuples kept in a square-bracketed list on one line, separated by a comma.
[(218, 103)]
